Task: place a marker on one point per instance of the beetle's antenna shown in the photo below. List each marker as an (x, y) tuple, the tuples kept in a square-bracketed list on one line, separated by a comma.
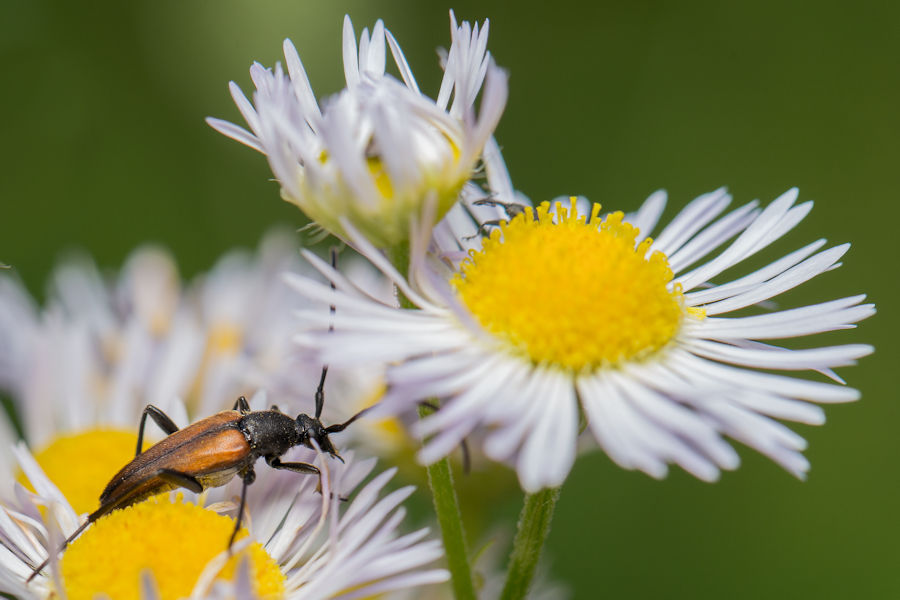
[(342, 426), (320, 391)]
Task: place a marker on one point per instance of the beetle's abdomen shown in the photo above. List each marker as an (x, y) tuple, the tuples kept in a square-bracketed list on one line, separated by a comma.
[(211, 452)]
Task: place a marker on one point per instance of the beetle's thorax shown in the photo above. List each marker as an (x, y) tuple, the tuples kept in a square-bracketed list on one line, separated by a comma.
[(271, 433)]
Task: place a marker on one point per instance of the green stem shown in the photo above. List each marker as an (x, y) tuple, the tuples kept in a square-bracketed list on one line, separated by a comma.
[(446, 505), (440, 480), (534, 525)]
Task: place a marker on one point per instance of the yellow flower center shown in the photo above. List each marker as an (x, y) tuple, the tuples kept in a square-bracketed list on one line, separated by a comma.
[(173, 541), (224, 339), (573, 294), (81, 464)]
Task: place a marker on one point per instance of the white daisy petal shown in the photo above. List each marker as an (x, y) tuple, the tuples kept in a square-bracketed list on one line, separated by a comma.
[(789, 279), (817, 318), (745, 245), (649, 213), (690, 220), (713, 236), (747, 282), (698, 369), (781, 358), (549, 451)]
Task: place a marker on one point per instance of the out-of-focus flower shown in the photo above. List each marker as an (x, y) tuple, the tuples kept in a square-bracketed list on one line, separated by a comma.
[(561, 313), (379, 154), (103, 349)]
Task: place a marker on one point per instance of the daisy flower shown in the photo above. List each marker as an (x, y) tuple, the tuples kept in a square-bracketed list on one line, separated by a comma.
[(300, 544), (380, 150), (561, 314)]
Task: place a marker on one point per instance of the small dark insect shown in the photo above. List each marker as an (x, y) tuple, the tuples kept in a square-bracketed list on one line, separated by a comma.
[(211, 451), (511, 208)]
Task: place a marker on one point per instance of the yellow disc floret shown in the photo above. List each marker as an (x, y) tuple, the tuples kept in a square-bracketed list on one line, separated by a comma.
[(571, 292), (81, 464), (173, 541)]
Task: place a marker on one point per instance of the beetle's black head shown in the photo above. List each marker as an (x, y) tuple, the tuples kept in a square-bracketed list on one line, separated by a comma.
[(311, 429)]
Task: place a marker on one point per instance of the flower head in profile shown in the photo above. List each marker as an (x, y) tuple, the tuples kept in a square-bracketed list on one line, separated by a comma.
[(378, 152), (562, 313)]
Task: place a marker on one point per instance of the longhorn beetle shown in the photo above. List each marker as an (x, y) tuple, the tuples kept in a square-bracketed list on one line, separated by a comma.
[(211, 451)]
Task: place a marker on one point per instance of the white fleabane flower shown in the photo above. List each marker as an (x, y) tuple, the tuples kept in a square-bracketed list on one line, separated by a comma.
[(557, 315), (300, 544), (379, 151)]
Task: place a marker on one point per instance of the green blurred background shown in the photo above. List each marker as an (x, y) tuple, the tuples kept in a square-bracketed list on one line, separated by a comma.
[(104, 147)]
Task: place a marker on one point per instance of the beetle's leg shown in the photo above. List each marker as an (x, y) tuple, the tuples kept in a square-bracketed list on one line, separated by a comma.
[(62, 547), (248, 477), (242, 405), (485, 228), (160, 418), (299, 467), (512, 209), (180, 479), (296, 467)]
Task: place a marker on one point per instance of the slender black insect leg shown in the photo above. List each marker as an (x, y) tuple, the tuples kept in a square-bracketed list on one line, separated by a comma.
[(160, 418), (511, 209), (484, 228), (188, 482), (248, 477), (242, 405), (299, 467), (296, 467), (62, 547)]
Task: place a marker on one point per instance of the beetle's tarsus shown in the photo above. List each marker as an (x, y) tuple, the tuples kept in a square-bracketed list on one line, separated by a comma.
[(242, 405)]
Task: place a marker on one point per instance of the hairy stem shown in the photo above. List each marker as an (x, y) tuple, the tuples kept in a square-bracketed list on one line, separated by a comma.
[(534, 525)]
